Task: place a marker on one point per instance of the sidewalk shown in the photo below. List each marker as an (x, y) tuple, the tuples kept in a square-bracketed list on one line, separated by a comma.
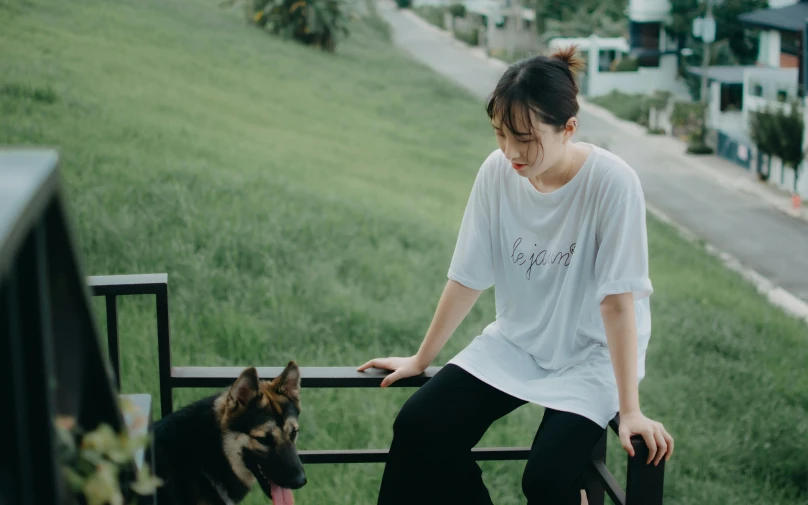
[(706, 197)]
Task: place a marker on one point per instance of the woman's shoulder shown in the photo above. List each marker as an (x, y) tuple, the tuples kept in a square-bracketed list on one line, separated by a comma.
[(494, 161), (491, 168), (613, 174)]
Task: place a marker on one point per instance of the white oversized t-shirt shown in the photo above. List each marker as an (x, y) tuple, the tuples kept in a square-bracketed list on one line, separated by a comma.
[(552, 258)]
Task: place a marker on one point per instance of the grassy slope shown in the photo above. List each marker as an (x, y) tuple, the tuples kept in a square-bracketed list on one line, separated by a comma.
[(305, 206)]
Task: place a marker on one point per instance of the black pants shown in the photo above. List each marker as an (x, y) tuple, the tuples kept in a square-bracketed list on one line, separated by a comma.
[(450, 414)]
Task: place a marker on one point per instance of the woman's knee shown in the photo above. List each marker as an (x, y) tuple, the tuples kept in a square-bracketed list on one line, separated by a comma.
[(415, 423)]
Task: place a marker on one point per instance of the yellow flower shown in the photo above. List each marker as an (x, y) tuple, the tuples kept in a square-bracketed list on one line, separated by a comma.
[(102, 439), (259, 15), (146, 483), (102, 487)]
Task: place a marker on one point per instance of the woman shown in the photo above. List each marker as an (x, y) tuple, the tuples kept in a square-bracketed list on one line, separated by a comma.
[(559, 229)]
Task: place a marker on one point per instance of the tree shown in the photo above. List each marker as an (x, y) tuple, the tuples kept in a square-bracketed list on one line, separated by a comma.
[(763, 134), (742, 41), (779, 131), (790, 128), (606, 18)]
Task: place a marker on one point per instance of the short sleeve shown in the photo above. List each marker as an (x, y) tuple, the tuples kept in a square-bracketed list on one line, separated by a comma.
[(621, 263), (472, 261)]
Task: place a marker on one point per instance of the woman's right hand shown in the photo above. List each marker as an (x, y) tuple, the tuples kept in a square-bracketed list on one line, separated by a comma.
[(401, 368)]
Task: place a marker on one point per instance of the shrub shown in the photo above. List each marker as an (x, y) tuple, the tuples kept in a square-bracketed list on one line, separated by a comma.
[(659, 99), (404, 4), (313, 22), (432, 14), (471, 38), (686, 113), (699, 148), (686, 119), (627, 65), (457, 10)]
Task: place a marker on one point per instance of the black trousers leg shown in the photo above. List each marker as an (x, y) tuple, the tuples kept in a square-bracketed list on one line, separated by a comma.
[(430, 459), (561, 451)]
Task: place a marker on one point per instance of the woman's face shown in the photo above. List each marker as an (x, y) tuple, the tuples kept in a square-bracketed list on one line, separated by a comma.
[(533, 155)]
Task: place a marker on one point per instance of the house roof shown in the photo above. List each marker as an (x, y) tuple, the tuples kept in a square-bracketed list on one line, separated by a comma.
[(584, 43), (725, 74), (494, 8), (791, 18)]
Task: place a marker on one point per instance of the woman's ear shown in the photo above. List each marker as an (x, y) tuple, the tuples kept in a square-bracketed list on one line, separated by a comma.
[(570, 128)]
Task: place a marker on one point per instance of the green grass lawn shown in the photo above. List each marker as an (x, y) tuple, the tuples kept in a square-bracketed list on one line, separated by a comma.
[(305, 207)]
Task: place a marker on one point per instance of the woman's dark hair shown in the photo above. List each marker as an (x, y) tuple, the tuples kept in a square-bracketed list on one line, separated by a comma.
[(544, 85)]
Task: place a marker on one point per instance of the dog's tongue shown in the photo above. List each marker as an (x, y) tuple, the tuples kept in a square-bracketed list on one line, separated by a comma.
[(282, 495)]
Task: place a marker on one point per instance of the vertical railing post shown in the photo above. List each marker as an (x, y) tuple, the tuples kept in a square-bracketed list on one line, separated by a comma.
[(644, 482), (112, 338), (164, 352), (595, 492)]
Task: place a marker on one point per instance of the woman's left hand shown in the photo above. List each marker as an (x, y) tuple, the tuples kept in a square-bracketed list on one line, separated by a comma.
[(659, 441)]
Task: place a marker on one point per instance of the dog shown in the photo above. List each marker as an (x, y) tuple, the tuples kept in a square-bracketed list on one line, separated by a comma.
[(213, 451)]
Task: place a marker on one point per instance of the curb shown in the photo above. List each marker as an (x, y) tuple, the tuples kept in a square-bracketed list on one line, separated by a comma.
[(776, 295)]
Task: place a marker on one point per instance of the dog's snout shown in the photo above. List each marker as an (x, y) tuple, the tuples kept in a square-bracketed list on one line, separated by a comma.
[(298, 481)]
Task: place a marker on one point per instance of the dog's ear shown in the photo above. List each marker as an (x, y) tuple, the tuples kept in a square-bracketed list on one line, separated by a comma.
[(245, 389), (288, 382)]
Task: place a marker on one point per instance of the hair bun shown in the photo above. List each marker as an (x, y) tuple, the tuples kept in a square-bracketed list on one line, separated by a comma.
[(569, 55)]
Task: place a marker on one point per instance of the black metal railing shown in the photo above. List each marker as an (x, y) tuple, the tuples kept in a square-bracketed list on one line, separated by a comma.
[(644, 484), (51, 358), (113, 286)]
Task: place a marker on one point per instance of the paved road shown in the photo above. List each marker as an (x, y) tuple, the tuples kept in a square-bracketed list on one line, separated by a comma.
[(761, 237)]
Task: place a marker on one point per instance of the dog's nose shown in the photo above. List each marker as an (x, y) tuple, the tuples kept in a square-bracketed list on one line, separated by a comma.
[(298, 481)]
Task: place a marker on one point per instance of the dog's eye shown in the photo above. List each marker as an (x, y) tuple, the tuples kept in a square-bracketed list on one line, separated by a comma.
[(266, 440), (293, 435)]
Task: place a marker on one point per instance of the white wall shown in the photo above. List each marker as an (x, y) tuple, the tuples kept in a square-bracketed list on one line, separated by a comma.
[(776, 4), (771, 80), (769, 48), (783, 177), (644, 80), (497, 39), (648, 10)]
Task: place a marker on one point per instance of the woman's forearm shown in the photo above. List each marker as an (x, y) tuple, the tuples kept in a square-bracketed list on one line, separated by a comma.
[(621, 336), (454, 305)]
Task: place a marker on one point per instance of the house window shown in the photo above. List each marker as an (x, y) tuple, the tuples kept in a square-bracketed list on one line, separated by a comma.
[(790, 43), (782, 95), (757, 89), (644, 42), (645, 36)]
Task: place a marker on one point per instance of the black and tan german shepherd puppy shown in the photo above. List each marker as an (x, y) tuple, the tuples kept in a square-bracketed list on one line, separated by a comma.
[(212, 451)]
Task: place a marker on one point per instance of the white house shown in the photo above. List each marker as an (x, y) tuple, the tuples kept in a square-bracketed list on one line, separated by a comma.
[(775, 79), (655, 53)]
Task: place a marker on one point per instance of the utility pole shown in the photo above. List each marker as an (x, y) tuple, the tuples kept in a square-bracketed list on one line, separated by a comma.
[(513, 19), (705, 28), (707, 37)]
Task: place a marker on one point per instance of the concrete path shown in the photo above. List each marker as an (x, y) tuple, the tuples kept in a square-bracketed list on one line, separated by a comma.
[(712, 203)]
